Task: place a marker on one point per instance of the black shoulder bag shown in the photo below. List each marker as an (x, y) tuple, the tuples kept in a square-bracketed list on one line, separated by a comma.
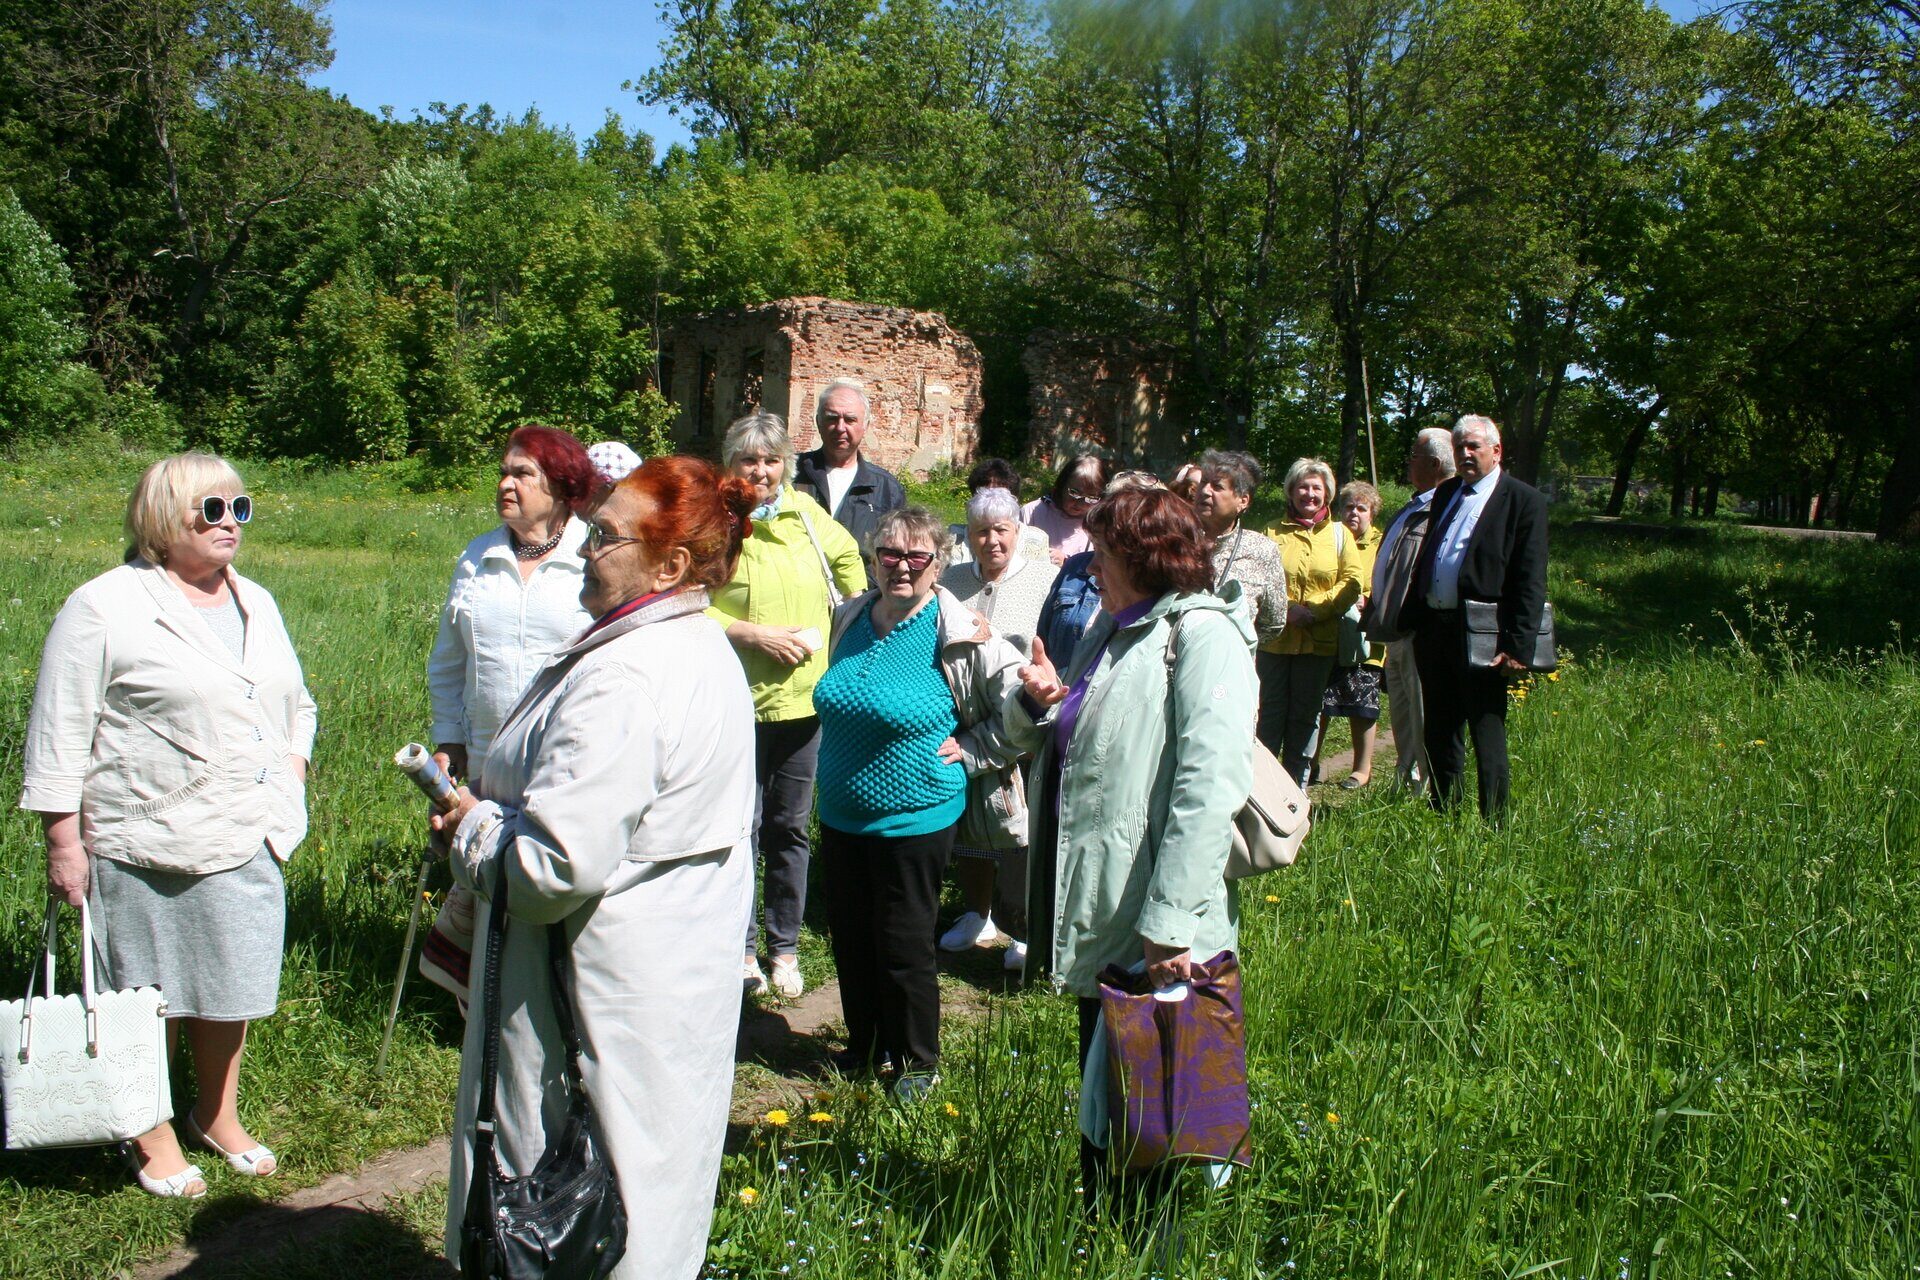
[(564, 1219)]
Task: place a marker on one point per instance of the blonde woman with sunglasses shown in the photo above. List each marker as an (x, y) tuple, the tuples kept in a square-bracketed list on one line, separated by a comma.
[(167, 757)]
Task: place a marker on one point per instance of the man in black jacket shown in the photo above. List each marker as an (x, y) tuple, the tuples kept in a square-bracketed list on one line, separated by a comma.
[(1487, 541), (836, 475)]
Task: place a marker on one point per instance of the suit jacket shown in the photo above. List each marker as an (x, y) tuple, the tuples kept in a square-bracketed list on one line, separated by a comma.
[(1381, 619), (1505, 561), (874, 492)]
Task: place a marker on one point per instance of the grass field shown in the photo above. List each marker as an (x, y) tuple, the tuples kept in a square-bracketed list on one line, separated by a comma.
[(1665, 1023)]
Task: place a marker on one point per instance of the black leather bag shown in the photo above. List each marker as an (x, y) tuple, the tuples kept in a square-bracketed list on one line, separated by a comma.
[(565, 1219), (1483, 638)]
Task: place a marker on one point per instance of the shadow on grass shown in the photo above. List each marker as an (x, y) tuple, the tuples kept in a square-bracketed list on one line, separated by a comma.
[(321, 1244)]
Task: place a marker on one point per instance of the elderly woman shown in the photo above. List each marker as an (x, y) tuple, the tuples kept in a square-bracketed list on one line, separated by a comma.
[(796, 565), (1063, 510), (1323, 582), (1227, 484), (997, 473), (617, 802), (1008, 590), (909, 711), (1138, 770), (166, 754), (1354, 691), (1075, 598)]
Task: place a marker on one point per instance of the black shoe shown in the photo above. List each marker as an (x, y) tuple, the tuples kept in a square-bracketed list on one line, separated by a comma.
[(856, 1065)]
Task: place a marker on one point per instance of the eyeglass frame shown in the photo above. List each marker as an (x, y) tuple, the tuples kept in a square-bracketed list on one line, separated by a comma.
[(599, 540), (213, 509), (892, 557)]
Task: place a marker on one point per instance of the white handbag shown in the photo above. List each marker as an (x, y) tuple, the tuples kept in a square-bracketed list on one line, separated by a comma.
[(79, 1071)]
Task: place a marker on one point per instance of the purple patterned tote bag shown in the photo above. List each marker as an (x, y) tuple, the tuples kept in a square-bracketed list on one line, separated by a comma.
[(1177, 1078)]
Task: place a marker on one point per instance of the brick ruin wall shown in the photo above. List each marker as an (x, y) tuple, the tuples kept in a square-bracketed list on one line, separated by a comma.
[(1101, 395), (921, 375)]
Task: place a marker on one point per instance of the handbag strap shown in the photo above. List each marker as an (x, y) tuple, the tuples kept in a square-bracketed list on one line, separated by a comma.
[(50, 932), (834, 598), (1233, 552)]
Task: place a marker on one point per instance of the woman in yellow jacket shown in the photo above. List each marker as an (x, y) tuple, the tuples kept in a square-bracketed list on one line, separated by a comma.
[(1323, 581), (797, 564)]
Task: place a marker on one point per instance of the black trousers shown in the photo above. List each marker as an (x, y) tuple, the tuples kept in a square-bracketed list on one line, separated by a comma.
[(786, 754), (883, 899), (1456, 700), (1130, 1199)]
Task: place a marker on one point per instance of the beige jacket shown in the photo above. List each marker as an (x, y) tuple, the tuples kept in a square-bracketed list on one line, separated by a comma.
[(173, 752)]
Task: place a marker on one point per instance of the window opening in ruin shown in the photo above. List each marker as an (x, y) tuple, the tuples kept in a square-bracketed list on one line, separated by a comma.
[(753, 376), (666, 378)]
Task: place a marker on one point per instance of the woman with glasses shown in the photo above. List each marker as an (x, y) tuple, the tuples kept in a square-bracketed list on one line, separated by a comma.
[(514, 602), (1061, 512), (909, 711), (166, 754), (613, 823), (794, 567)]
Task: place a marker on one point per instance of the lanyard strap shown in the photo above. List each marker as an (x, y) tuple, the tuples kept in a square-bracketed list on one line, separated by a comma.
[(1233, 550)]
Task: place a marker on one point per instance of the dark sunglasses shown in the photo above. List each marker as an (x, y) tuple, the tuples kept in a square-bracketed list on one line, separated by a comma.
[(889, 557), (214, 509)]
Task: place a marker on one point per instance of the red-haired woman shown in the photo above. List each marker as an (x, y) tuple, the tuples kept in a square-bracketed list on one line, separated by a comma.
[(1129, 831), (617, 804)]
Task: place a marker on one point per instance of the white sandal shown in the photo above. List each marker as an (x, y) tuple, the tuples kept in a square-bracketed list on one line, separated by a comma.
[(173, 1186), (247, 1162)]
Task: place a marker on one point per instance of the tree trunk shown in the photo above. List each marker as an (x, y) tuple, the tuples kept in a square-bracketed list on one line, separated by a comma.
[(1711, 506), (1353, 393), (1677, 495), (1900, 494), (1629, 454)]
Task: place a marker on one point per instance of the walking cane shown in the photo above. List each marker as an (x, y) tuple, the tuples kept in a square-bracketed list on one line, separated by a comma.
[(418, 764)]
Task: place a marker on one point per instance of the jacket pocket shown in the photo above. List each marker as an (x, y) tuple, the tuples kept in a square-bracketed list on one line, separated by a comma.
[(172, 799)]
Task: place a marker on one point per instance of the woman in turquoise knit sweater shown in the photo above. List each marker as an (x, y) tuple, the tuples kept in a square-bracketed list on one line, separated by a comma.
[(909, 709)]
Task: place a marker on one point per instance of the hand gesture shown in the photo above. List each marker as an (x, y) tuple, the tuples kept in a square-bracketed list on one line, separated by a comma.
[(949, 752), (1039, 680), (445, 824), (452, 758), (782, 644), (1166, 965)]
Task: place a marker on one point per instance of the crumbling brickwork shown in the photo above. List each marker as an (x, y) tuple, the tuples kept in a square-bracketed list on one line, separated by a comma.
[(1101, 395), (921, 375)]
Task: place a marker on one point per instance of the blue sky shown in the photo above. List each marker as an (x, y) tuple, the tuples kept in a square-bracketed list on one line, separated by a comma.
[(567, 57)]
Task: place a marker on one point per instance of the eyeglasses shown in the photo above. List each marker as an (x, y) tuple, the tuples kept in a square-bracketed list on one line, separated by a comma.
[(892, 557), (598, 539), (214, 509), (1074, 495)]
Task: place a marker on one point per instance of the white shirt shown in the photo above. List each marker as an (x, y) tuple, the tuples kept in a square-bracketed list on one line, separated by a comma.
[(497, 631), (1468, 503), (1420, 502), (839, 480)]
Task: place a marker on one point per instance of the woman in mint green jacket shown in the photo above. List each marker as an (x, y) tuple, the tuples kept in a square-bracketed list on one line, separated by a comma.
[(1135, 784), (796, 565)]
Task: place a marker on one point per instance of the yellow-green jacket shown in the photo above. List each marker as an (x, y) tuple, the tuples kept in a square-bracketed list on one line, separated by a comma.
[(781, 582), (1323, 573)]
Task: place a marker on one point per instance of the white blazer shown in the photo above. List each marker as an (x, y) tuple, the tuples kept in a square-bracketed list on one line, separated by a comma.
[(173, 752)]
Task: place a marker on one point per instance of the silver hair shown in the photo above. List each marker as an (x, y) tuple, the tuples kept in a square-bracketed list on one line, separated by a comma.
[(1434, 445), (915, 524), (1302, 468), (990, 504), (1241, 470), (1477, 422), (758, 433), (844, 384)]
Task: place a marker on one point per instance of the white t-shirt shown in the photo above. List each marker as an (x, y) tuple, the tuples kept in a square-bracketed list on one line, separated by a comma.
[(839, 480)]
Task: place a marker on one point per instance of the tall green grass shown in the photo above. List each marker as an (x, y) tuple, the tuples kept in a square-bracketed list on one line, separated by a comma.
[(1665, 1022)]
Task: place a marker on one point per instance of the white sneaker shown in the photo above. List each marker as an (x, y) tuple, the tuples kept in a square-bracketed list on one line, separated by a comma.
[(1016, 956), (787, 982), (970, 930), (752, 981)]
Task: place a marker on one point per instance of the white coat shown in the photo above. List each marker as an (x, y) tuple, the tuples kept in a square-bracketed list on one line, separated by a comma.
[(172, 751), (497, 631), (618, 798)]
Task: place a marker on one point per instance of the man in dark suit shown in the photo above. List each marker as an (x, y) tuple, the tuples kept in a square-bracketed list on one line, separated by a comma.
[(838, 476), (1487, 541)]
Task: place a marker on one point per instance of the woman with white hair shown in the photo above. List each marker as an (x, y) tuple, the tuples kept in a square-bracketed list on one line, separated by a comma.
[(795, 566), (1323, 581), (1008, 590), (167, 755)]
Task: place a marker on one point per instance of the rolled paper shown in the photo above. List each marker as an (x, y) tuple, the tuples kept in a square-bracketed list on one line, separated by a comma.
[(418, 764)]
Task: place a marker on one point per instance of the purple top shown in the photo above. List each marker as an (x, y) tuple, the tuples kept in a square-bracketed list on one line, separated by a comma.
[(1070, 707), (1067, 535)]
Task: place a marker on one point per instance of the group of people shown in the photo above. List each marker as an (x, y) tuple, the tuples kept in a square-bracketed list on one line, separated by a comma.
[(653, 675)]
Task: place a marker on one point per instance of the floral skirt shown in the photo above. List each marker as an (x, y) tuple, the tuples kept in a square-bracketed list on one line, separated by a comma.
[(1354, 692)]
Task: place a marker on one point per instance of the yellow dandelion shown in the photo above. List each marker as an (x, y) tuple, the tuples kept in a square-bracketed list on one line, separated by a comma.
[(1273, 897), (950, 1109), (1759, 742), (1346, 902), (778, 1118), (748, 1196), (819, 1117), (1553, 675), (1333, 1117)]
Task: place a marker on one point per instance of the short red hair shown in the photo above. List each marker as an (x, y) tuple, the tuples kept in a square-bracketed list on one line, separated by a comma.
[(561, 458), (697, 506), (1157, 536)]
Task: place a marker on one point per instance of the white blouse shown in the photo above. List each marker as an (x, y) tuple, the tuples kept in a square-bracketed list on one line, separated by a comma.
[(497, 632)]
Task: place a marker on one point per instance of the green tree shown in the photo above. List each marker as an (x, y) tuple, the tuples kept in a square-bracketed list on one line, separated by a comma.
[(38, 329)]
